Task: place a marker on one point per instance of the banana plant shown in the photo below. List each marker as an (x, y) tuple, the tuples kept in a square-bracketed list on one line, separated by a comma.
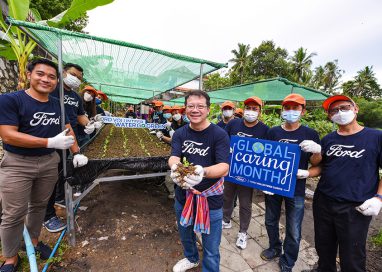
[(14, 44)]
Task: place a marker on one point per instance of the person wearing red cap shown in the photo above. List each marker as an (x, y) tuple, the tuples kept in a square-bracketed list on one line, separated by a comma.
[(239, 113), (130, 113), (291, 131), (249, 126), (349, 191), (228, 109), (157, 115)]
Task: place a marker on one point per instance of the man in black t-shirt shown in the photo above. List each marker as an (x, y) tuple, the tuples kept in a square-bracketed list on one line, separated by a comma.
[(291, 131), (30, 127), (206, 146), (228, 109), (349, 192), (249, 126)]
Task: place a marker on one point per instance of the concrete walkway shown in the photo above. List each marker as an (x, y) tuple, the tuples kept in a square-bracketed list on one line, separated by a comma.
[(248, 260)]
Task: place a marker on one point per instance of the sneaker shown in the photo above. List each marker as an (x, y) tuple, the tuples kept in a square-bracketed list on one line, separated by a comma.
[(43, 250), (226, 225), (270, 254), (241, 241), (54, 224), (10, 267), (184, 265), (60, 203)]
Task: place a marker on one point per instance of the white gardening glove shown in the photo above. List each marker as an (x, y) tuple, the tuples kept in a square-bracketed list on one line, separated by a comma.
[(152, 131), (174, 175), (98, 118), (107, 113), (97, 124), (268, 193), (310, 146), (168, 125), (159, 135), (196, 177), (79, 160), (61, 141), (302, 174), (370, 207), (171, 133), (89, 128)]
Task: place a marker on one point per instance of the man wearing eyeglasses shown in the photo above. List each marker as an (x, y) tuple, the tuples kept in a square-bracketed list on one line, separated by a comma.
[(199, 197), (349, 192), (249, 126)]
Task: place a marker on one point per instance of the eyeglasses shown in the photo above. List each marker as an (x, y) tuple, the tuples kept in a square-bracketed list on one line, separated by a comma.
[(199, 107), (254, 108), (340, 108)]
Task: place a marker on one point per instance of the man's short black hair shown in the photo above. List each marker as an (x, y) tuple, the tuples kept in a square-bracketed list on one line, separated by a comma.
[(34, 62), (70, 65), (200, 94)]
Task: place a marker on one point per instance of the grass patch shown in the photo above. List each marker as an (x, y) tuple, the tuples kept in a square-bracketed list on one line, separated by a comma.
[(377, 239)]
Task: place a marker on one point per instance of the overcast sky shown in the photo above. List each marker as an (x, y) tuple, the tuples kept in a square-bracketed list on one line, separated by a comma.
[(347, 30)]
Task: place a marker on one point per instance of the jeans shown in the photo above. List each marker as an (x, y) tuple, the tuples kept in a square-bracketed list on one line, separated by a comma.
[(211, 242), (338, 225), (294, 210)]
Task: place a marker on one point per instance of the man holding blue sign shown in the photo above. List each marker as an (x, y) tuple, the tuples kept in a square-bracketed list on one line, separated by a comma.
[(291, 131), (251, 127)]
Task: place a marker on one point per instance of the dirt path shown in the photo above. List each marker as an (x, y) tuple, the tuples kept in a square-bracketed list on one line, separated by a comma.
[(139, 223)]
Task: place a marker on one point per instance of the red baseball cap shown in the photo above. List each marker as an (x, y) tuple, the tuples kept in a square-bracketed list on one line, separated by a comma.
[(157, 103), (297, 98), (90, 89), (239, 111), (326, 104), (228, 104), (103, 95), (255, 99)]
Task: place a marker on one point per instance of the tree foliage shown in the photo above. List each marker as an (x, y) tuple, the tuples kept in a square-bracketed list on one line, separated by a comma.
[(327, 78), (364, 84), (49, 9)]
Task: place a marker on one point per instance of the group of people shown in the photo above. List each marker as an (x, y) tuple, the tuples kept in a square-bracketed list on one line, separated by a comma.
[(31, 171), (348, 194)]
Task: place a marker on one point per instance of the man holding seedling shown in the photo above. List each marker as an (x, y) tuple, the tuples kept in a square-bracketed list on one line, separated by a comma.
[(291, 131), (199, 192), (30, 127)]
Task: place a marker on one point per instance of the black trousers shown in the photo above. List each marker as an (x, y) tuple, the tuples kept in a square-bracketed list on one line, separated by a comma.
[(58, 191), (337, 225)]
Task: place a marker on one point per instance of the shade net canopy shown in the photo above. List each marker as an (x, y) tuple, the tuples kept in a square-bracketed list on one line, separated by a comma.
[(274, 89), (119, 69)]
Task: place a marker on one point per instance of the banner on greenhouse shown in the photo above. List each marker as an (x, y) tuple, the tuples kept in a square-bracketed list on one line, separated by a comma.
[(131, 123), (265, 165)]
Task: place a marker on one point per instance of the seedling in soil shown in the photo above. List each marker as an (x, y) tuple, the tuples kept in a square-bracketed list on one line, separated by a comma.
[(184, 169)]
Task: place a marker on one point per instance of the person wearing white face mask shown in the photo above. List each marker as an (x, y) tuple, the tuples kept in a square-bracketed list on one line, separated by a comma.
[(249, 126), (291, 131), (228, 109), (74, 109), (349, 191)]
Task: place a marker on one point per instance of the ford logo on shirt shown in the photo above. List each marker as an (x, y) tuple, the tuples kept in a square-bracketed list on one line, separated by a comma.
[(44, 119), (70, 101), (191, 147)]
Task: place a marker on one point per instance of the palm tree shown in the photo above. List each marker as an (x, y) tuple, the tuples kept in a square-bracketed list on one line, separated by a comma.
[(241, 60), (301, 62), (364, 84)]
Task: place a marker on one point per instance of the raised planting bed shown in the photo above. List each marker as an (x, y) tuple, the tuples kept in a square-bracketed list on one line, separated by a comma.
[(113, 142), (135, 150)]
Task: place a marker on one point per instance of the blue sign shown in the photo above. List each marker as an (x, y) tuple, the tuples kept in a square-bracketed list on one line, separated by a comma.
[(131, 123), (265, 165)]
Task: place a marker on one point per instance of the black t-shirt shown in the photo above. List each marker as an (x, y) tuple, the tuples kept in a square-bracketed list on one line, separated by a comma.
[(236, 127), (296, 137), (73, 105), (350, 165), (100, 110), (206, 148), (32, 117)]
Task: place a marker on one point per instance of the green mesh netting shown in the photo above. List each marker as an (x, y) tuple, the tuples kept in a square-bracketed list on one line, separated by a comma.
[(135, 72), (274, 89)]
